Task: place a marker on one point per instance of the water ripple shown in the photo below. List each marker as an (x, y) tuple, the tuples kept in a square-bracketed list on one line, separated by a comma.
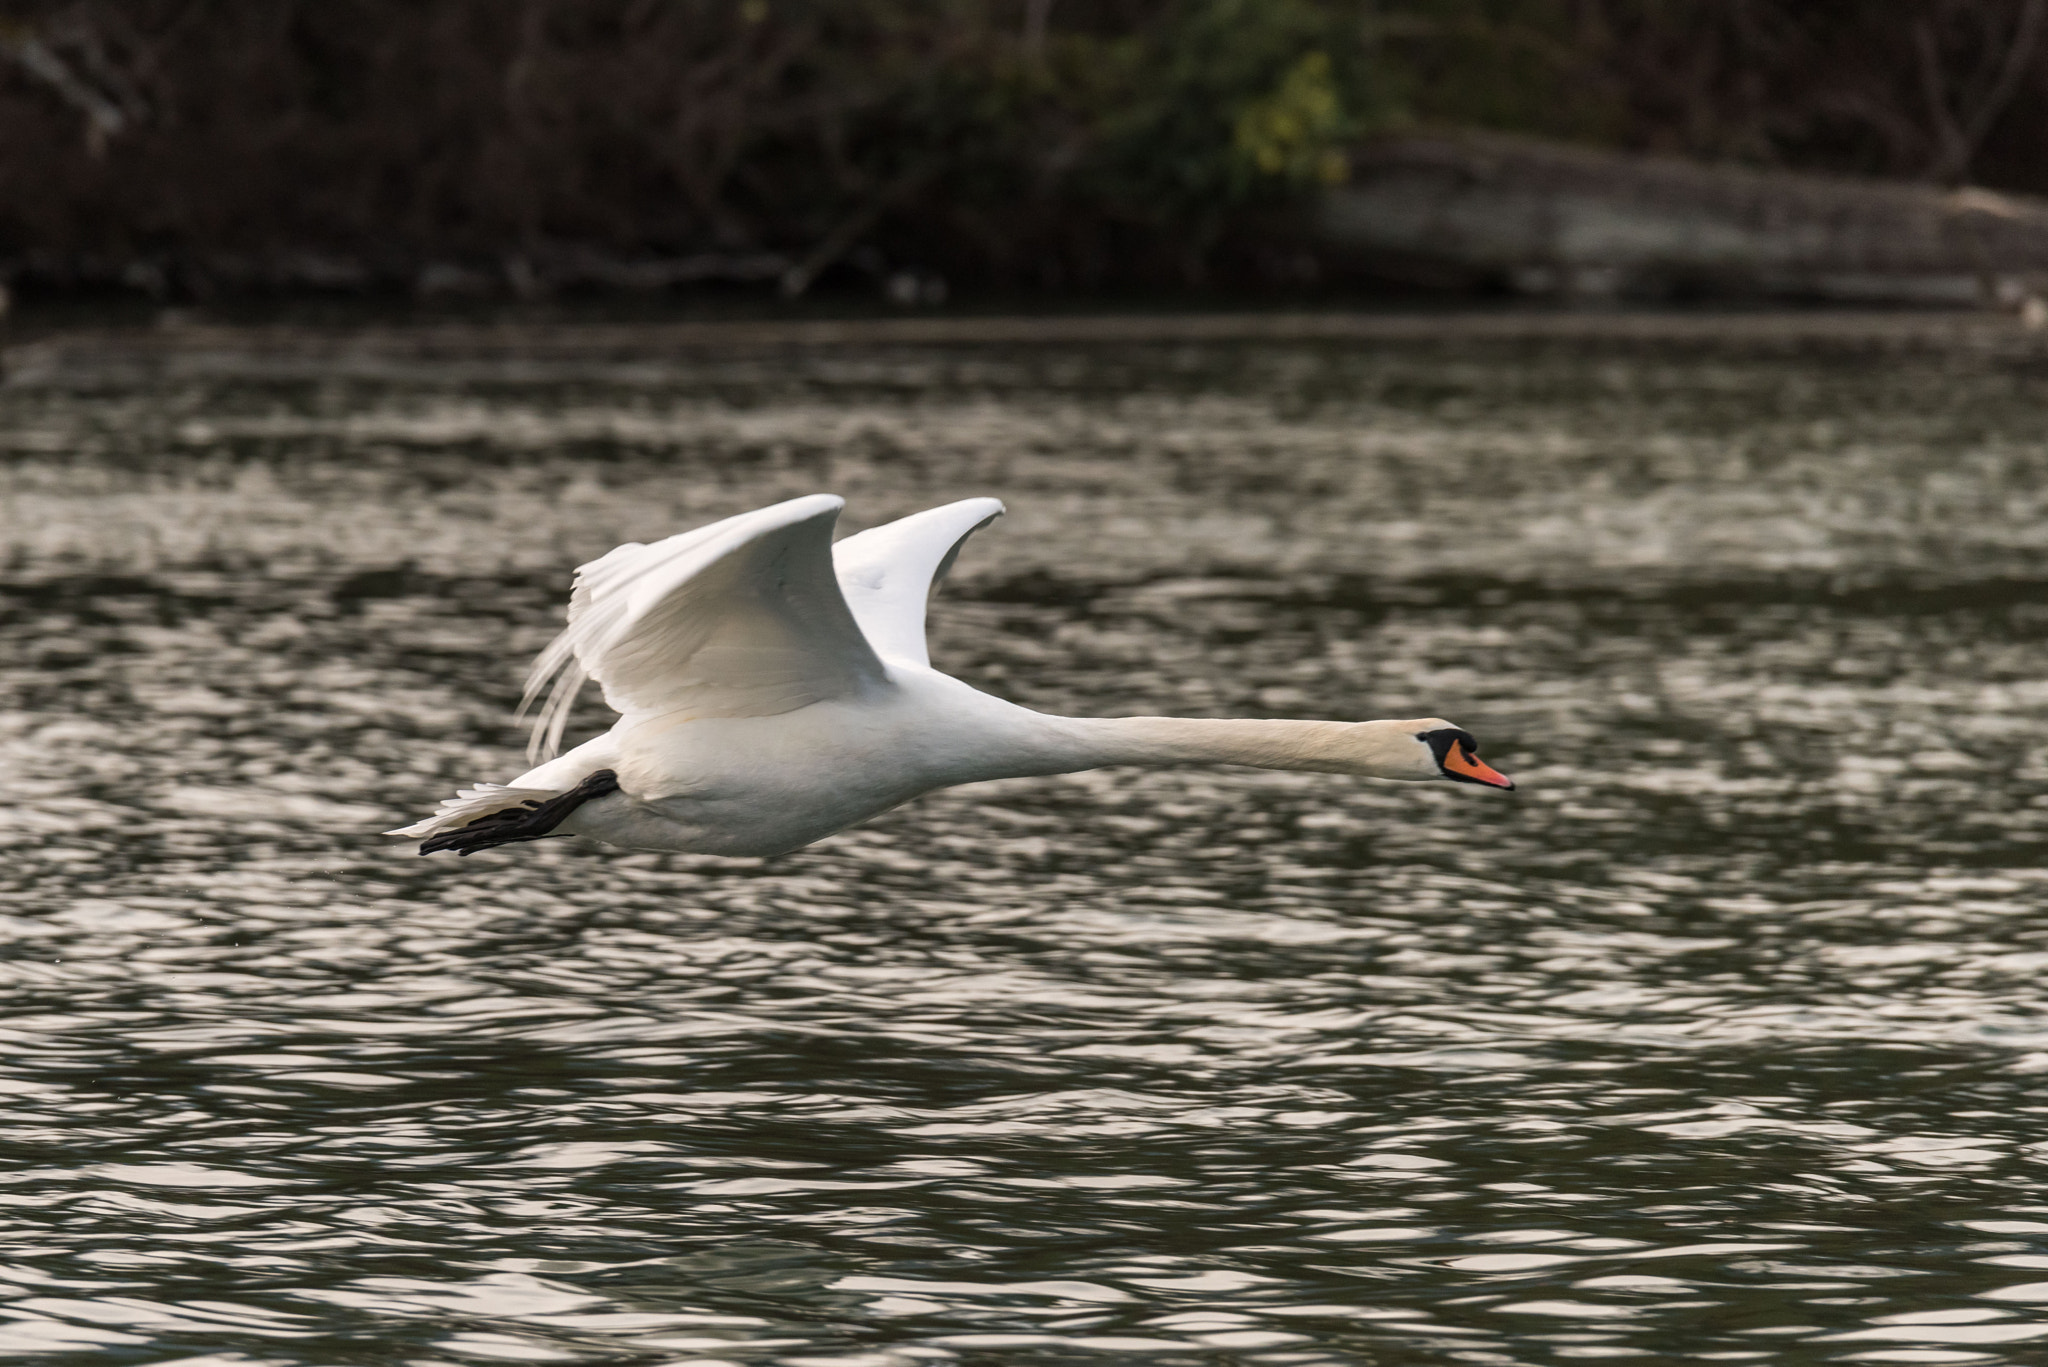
[(1721, 1041)]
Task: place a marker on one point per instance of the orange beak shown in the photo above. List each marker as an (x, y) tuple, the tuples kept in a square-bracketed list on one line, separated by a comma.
[(1472, 769)]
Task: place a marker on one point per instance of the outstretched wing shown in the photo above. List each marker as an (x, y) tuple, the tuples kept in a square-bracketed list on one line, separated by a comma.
[(742, 618), (888, 572)]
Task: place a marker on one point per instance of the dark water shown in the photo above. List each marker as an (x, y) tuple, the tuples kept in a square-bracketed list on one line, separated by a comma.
[(1722, 1040)]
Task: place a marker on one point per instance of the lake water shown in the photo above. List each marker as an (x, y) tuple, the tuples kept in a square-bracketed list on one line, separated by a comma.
[(1723, 1039)]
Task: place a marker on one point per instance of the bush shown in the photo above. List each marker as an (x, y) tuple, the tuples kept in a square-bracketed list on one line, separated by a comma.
[(1073, 143)]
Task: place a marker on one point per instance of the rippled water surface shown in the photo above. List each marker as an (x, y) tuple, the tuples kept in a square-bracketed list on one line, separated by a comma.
[(1722, 1040)]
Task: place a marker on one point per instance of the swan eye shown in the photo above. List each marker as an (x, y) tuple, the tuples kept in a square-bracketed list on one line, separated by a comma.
[(1441, 741), (1457, 757)]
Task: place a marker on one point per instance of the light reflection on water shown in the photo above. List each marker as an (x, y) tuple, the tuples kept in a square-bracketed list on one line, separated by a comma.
[(1722, 1039)]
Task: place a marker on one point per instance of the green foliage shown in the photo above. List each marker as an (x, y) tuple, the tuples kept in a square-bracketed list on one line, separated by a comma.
[(1011, 142), (1164, 130), (1296, 133), (1220, 103)]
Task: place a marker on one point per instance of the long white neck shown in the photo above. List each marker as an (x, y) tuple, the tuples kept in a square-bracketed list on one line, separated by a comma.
[(1372, 749)]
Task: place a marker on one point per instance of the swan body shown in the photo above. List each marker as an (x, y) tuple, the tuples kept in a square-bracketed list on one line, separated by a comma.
[(774, 688)]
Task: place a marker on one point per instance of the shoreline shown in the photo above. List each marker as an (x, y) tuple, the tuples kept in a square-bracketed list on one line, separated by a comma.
[(197, 347)]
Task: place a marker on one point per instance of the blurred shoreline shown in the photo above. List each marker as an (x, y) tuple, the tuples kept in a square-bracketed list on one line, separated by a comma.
[(60, 353), (1448, 218), (920, 151)]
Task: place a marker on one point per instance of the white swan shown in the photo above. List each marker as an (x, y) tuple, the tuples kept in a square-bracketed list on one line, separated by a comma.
[(774, 688)]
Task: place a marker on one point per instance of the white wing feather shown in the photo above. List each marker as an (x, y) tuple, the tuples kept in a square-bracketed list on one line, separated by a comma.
[(742, 618), (887, 573)]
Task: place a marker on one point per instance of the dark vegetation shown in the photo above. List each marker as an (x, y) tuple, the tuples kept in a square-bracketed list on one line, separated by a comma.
[(191, 146)]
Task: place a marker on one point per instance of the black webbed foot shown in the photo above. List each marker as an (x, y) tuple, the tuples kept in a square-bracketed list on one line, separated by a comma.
[(529, 821)]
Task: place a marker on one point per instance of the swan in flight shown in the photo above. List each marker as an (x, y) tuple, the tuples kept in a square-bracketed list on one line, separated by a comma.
[(773, 687)]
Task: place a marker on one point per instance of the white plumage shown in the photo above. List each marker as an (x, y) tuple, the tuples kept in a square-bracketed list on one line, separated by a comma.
[(773, 687)]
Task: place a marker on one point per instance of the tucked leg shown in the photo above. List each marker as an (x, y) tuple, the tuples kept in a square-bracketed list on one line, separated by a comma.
[(528, 821)]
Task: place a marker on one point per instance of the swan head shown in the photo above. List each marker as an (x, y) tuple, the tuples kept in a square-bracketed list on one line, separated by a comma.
[(1442, 750)]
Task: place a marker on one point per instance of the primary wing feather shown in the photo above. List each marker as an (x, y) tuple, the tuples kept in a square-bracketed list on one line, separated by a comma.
[(887, 573), (739, 619)]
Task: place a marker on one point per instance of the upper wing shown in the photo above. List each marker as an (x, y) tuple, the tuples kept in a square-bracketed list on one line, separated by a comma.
[(738, 619), (888, 572)]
